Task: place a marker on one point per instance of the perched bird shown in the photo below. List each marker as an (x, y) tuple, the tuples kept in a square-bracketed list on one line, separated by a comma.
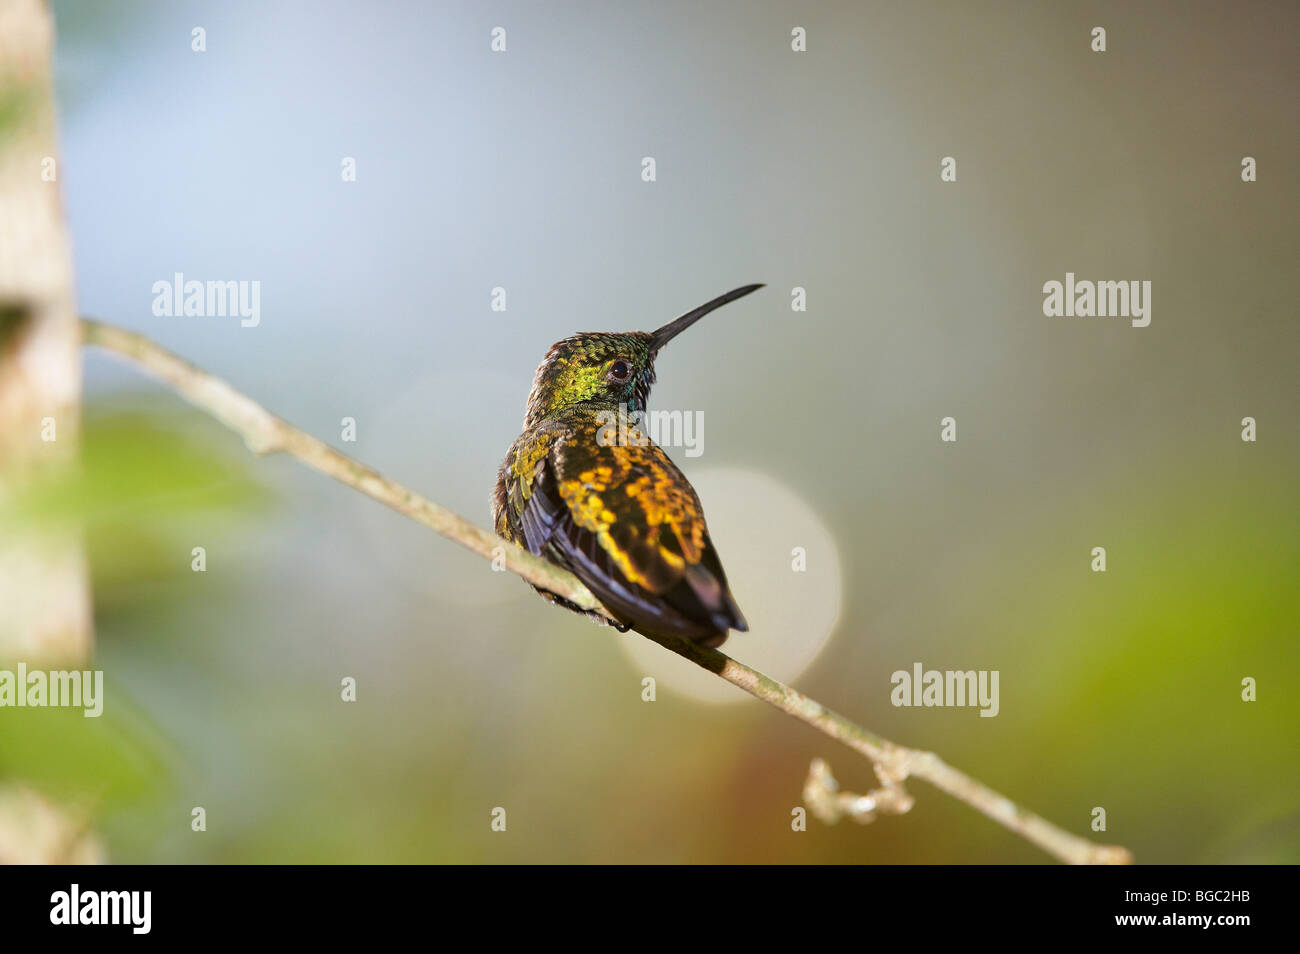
[(584, 487)]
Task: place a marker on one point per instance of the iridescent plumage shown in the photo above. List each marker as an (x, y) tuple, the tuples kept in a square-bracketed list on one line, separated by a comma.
[(589, 491)]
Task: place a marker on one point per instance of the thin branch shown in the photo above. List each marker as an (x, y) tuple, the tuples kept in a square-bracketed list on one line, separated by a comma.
[(265, 433)]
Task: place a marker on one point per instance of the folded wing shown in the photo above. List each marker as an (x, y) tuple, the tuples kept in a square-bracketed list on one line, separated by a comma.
[(624, 519)]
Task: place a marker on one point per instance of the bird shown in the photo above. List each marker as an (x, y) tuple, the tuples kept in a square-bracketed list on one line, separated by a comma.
[(586, 489)]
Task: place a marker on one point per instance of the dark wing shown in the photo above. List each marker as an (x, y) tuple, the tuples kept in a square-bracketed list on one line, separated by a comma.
[(527, 522), (624, 519), (523, 467)]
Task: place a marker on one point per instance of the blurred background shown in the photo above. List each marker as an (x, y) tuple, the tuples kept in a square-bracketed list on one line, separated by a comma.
[(820, 170)]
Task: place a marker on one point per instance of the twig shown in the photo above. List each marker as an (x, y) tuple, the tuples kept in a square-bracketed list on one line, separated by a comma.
[(822, 795), (265, 433)]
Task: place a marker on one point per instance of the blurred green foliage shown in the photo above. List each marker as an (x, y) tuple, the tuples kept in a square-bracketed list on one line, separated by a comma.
[(149, 477), (15, 104)]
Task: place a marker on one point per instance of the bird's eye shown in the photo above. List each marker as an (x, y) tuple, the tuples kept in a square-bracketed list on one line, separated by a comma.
[(619, 370)]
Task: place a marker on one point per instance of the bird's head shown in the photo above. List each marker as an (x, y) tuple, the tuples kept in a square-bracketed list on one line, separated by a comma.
[(608, 368)]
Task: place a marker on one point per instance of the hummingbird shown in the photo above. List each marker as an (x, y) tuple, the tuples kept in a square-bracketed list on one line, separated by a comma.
[(584, 487)]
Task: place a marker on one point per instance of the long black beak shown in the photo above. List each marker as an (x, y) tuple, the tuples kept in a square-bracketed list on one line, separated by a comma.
[(675, 327)]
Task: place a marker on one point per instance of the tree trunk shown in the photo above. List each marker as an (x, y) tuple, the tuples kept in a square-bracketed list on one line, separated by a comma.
[(45, 618), (44, 595)]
